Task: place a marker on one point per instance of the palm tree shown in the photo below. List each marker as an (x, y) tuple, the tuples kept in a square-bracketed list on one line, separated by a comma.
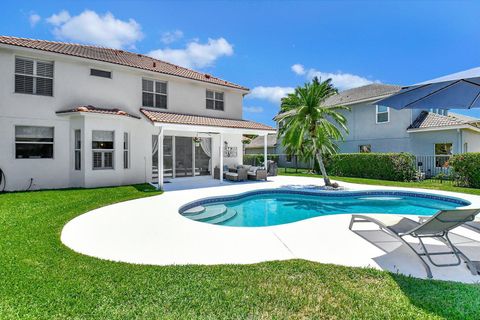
[(306, 122)]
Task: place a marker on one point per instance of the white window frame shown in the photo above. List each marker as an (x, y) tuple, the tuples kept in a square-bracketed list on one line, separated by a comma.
[(377, 113), (126, 150), (440, 155), (214, 99), (34, 75), (103, 152), (77, 148), (32, 142), (155, 93)]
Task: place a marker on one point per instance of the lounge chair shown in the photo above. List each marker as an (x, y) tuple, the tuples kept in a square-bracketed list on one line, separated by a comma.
[(472, 225), (436, 227)]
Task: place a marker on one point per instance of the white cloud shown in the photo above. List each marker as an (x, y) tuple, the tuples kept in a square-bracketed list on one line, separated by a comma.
[(253, 109), (195, 54), (59, 18), (34, 19), (298, 69), (171, 36), (340, 80), (92, 28), (272, 94)]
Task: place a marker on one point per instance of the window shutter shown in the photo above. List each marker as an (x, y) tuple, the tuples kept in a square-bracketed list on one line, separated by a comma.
[(23, 66), (45, 86), (44, 69), (147, 85), (23, 84)]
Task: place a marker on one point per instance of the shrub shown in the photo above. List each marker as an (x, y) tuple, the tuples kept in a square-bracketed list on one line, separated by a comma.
[(466, 168), (384, 166), (257, 159)]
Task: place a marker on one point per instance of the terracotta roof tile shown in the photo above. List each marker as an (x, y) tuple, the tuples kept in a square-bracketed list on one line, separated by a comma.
[(188, 119), (92, 109), (433, 120), (116, 56)]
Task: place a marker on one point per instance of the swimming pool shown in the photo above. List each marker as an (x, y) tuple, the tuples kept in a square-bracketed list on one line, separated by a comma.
[(278, 206)]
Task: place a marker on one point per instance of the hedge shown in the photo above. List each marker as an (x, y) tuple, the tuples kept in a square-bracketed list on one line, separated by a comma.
[(383, 166), (257, 159), (466, 169)]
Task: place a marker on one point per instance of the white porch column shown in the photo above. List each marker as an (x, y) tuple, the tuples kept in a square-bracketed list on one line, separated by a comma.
[(221, 156), (160, 159), (265, 151)]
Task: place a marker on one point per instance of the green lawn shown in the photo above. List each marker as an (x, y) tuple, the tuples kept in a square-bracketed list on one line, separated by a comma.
[(42, 279), (426, 184)]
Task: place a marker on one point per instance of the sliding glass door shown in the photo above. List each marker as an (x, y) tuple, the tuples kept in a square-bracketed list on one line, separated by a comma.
[(183, 157)]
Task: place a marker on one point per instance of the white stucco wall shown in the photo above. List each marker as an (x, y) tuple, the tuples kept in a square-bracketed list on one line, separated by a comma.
[(472, 139), (73, 86)]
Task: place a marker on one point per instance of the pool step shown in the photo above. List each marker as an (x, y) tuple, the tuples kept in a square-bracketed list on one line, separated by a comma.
[(210, 213), (224, 217), (194, 211)]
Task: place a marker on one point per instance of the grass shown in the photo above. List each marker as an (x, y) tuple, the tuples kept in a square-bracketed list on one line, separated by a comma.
[(42, 279), (425, 184)]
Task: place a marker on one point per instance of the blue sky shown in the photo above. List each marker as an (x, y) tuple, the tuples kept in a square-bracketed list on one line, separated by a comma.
[(257, 43)]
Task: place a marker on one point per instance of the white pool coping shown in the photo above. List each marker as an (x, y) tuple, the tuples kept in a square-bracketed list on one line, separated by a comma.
[(151, 231)]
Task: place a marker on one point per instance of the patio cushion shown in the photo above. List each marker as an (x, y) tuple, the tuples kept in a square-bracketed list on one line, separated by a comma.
[(231, 174)]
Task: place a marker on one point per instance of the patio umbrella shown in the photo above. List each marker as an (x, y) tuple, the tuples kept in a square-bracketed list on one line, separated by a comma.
[(459, 90)]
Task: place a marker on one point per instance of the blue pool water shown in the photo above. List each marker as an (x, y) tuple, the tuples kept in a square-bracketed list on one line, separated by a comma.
[(268, 208)]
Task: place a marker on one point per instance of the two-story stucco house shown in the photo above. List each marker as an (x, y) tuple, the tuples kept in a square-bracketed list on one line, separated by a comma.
[(83, 116), (432, 135)]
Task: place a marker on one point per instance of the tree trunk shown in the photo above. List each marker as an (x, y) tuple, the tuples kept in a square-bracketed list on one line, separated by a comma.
[(326, 179)]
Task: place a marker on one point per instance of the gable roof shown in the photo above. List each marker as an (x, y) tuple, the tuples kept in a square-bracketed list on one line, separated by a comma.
[(374, 91), (429, 120), (189, 119), (116, 56)]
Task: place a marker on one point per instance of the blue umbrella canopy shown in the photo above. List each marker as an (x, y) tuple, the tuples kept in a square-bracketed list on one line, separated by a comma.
[(459, 90)]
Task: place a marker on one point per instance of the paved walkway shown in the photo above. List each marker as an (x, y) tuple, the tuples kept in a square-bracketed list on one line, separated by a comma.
[(151, 231)]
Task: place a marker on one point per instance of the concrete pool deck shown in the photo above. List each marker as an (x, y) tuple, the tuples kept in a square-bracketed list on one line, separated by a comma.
[(151, 231)]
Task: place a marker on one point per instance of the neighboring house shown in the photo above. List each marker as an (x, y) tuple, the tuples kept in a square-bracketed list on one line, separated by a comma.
[(83, 116), (256, 146), (431, 134)]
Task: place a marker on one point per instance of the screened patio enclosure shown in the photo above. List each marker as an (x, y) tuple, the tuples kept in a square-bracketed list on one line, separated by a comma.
[(185, 145), (182, 157)]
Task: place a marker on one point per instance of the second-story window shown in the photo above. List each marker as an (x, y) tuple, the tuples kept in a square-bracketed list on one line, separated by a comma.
[(33, 76), (154, 94), (101, 73), (215, 100), (383, 114)]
